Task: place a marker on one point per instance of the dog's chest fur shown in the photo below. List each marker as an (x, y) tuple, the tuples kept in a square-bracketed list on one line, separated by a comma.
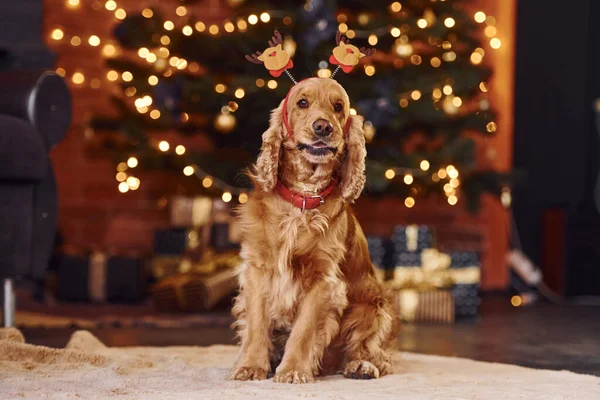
[(296, 257)]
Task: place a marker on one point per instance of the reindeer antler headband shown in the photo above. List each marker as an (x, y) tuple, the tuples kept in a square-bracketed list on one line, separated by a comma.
[(345, 55)]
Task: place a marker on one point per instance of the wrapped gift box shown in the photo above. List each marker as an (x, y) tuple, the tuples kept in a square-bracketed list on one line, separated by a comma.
[(466, 271), (412, 238), (98, 277), (426, 306)]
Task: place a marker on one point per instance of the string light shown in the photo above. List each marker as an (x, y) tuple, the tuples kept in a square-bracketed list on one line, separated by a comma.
[(415, 95), (207, 182), (242, 25), (147, 13), (369, 70), (94, 41), (226, 197), (123, 187), (188, 170), (164, 146), (395, 32), (409, 202), (57, 34), (109, 50), (243, 198), (495, 43), (75, 41), (120, 14), (181, 11), (452, 200), (152, 80), (449, 22), (516, 301), (78, 78), (396, 6), (155, 114), (476, 58), (127, 76), (133, 183), (252, 19), (457, 101), (480, 17), (373, 40), (240, 93), (408, 179), (390, 174), (61, 72), (111, 5), (72, 3), (272, 84), (180, 150), (424, 165), (132, 162), (213, 29), (421, 23), (169, 25), (435, 62), (490, 31), (121, 176), (200, 26), (187, 30), (447, 90), (229, 27), (265, 17)]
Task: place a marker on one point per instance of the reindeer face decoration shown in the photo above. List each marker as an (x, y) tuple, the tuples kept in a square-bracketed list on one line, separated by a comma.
[(275, 59), (346, 56)]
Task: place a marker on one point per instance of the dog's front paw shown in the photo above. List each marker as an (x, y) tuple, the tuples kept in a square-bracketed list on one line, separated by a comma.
[(249, 374), (293, 375), (359, 369)]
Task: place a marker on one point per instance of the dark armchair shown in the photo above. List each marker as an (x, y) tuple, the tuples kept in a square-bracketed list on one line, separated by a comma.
[(35, 114)]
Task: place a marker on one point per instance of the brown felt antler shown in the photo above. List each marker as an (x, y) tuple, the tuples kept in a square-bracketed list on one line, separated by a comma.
[(276, 39), (254, 57), (367, 51), (341, 38)]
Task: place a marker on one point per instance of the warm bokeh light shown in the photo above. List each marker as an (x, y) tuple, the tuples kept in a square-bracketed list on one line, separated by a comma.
[(409, 202), (188, 170), (57, 34), (207, 182), (132, 162), (390, 174), (424, 165), (164, 146), (226, 197), (180, 150)]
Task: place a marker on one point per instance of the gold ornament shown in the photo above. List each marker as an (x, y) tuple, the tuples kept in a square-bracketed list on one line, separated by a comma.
[(225, 123)]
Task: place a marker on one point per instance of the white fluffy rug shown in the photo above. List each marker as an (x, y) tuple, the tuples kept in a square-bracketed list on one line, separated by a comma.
[(88, 370)]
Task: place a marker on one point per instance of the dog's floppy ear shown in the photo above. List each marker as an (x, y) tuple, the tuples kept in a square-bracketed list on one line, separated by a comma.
[(353, 167), (265, 169)]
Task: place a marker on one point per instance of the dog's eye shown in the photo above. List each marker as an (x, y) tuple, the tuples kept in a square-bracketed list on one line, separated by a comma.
[(338, 107), (302, 103)]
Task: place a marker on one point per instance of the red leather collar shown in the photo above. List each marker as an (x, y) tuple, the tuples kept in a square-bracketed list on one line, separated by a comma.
[(286, 121), (305, 202)]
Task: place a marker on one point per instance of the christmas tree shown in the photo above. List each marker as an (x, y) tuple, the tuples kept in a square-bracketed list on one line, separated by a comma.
[(424, 94)]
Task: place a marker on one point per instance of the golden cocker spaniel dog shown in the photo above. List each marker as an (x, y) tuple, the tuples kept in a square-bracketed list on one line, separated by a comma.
[(309, 302)]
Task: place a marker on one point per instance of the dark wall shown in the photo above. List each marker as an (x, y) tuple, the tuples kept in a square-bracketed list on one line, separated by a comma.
[(21, 41), (556, 141)]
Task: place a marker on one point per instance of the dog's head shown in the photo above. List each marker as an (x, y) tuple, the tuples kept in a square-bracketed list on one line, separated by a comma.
[(317, 111)]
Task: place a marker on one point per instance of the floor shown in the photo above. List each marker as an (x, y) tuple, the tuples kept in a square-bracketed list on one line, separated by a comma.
[(539, 335)]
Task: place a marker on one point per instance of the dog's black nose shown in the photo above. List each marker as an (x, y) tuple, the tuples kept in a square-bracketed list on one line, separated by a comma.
[(322, 127)]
